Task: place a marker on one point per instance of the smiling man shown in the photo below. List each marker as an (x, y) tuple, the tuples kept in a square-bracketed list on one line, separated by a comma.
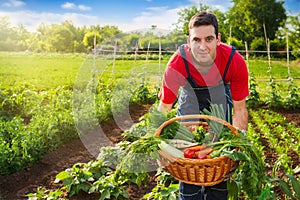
[(205, 71)]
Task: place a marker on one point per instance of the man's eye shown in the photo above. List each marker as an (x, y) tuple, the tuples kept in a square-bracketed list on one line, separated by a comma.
[(209, 39)]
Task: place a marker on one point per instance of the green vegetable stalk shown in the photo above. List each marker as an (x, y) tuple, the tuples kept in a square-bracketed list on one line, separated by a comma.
[(251, 173)]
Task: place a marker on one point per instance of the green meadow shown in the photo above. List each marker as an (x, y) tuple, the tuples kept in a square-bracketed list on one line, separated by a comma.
[(46, 71)]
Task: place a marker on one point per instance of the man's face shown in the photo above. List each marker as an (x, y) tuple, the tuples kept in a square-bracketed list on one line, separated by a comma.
[(203, 42)]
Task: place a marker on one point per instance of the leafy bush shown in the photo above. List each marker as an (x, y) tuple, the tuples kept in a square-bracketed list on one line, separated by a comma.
[(258, 44), (238, 44), (254, 98)]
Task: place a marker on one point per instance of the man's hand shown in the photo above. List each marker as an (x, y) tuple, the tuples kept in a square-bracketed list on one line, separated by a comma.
[(162, 107)]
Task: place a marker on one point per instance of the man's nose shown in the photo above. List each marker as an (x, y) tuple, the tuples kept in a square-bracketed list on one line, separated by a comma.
[(202, 45)]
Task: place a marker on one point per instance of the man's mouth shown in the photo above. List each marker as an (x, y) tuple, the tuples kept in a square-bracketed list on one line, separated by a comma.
[(203, 54)]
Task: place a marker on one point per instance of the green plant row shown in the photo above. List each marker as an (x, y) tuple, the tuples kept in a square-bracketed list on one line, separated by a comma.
[(34, 123), (286, 132), (285, 96), (275, 135)]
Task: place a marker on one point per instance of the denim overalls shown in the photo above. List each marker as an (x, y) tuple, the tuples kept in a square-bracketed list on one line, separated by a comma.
[(192, 100)]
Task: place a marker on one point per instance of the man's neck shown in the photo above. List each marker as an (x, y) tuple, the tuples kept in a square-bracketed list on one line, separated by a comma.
[(202, 68)]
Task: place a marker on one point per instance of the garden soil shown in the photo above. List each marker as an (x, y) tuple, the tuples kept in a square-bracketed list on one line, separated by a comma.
[(42, 173)]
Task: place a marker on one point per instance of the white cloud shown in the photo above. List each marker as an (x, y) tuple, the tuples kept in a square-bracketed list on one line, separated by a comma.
[(68, 5), (162, 17), (84, 8), (13, 3), (221, 5), (31, 20), (73, 6)]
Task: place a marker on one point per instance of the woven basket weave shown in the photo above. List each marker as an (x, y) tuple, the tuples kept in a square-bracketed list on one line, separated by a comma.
[(206, 172)]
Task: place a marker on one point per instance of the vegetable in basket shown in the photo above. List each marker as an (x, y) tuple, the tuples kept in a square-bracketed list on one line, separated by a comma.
[(175, 130), (197, 152)]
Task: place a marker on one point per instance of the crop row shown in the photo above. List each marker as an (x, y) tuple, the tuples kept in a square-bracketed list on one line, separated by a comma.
[(281, 136), (34, 123)]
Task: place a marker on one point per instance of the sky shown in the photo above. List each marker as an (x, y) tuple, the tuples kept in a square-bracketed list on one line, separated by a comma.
[(127, 15)]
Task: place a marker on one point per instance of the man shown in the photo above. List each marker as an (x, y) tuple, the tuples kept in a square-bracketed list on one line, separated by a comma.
[(204, 72)]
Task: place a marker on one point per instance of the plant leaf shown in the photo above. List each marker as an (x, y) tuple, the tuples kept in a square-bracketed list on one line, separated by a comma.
[(286, 189), (236, 155), (62, 176), (233, 189), (265, 193), (295, 184), (105, 195)]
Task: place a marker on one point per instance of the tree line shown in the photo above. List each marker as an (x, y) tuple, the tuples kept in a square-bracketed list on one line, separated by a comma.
[(246, 22)]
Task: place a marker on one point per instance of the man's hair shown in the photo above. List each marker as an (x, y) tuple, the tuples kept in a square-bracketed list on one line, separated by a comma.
[(204, 18)]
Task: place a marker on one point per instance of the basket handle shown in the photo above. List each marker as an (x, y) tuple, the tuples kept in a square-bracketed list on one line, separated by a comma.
[(183, 117)]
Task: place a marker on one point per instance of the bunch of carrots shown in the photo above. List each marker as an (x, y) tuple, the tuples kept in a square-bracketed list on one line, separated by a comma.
[(197, 152)]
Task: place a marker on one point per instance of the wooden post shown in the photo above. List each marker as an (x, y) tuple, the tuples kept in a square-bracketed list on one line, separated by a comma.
[(147, 55), (269, 57), (230, 35), (94, 59), (247, 54), (135, 54), (114, 57), (159, 62), (147, 61), (288, 55), (265, 32), (268, 50), (95, 43)]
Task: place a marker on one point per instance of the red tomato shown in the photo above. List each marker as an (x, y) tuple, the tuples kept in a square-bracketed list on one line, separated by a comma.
[(189, 153)]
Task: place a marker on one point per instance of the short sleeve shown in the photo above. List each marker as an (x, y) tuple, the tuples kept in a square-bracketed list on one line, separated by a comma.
[(174, 78), (239, 86)]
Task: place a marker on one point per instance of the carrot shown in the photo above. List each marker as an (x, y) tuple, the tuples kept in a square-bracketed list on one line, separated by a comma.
[(196, 148), (205, 151)]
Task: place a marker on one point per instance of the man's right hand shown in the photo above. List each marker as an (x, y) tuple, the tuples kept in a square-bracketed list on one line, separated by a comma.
[(162, 107)]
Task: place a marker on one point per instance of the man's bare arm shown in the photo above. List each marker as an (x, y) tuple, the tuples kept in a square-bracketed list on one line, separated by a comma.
[(240, 114), (163, 107)]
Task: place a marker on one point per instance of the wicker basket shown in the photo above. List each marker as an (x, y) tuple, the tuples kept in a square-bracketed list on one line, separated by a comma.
[(206, 172)]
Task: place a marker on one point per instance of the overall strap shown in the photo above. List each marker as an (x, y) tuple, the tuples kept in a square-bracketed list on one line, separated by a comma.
[(228, 63), (182, 53)]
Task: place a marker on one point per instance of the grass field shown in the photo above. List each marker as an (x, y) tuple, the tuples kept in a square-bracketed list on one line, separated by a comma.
[(45, 71), (260, 69), (38, 71)]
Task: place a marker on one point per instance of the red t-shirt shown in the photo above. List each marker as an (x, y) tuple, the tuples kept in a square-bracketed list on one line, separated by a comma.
[(176, 74)]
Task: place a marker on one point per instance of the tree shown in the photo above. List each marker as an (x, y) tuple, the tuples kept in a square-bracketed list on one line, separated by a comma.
[(43, 37), (111, 35), (58, 37), (8, 39), (78, 43), (184, 18), (248, 18), (294, 32), (63, 37), (89, 39), (23, 38)]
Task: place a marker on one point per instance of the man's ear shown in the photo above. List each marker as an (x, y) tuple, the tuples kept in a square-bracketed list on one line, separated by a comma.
[(188, 40), (219, 39)]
